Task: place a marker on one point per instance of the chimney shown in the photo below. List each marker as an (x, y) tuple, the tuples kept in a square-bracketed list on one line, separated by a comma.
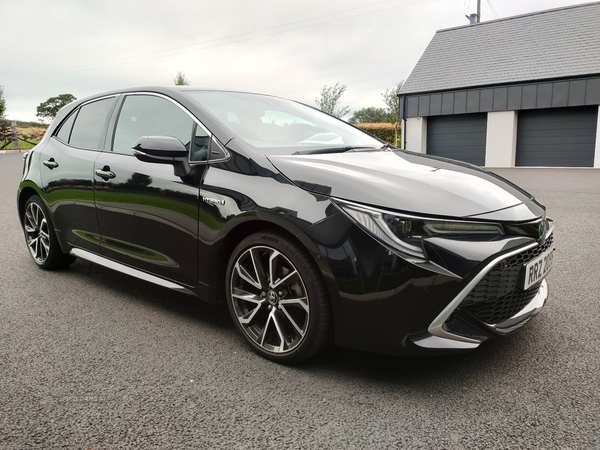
[(472, 18)]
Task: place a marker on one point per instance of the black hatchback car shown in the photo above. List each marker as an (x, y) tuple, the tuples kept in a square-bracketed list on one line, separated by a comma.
[(312, 231)]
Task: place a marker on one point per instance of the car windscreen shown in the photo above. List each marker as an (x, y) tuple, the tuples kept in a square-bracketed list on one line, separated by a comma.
[(274, 125)]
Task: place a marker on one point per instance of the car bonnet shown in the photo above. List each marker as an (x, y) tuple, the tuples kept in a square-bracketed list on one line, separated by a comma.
[(405, 182)]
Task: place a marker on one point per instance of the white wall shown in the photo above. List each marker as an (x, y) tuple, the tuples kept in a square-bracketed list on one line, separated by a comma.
[(501, 139), (416, 134), (597, 154)]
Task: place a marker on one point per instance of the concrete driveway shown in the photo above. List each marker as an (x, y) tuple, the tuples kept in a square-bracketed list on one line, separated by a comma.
[(92, 359)]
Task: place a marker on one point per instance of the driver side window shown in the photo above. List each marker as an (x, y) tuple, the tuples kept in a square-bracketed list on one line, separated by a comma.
[(148, 115)]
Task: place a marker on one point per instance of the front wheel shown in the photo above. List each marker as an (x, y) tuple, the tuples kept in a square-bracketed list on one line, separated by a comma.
[(41, 238), (277, 298)]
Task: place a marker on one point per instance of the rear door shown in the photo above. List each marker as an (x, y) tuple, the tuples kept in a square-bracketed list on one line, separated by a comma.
[(67, 172), (148, 216)]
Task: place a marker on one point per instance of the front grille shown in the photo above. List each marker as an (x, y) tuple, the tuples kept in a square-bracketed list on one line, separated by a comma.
[(499, 295), (500, 309)]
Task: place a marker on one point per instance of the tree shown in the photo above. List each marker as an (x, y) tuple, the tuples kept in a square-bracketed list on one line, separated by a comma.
[(369, 115), (329, 99), (48, 110), (390, 98), (181, 80), (6, 134), (2, 103), (138, 180)]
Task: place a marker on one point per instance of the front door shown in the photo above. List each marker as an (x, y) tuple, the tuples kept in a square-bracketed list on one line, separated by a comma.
[(148, 217)]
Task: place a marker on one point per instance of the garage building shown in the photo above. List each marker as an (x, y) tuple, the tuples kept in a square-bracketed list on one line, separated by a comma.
[(521, 91)]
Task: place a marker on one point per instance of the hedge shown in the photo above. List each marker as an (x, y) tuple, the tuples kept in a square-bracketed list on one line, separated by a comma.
[(383, 131)]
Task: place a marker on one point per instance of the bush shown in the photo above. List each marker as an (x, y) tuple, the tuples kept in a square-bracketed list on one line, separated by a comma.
[(6, 135), (383, 131), (27, 124)]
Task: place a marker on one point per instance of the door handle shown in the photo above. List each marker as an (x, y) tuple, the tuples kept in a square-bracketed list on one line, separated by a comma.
[(50, 163), (105, 173)]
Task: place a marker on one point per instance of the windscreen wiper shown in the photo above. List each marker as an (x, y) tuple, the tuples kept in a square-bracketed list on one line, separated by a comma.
[(349, 148)]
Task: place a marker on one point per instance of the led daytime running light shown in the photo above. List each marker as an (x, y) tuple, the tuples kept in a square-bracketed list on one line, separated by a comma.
[(405, 234), (374, 224)]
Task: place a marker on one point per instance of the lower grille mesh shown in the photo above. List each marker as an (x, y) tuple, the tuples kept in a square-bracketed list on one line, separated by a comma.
[(499, 295), (503, 308)]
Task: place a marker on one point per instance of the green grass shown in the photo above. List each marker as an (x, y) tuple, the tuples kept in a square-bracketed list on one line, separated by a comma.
[(22, 146)]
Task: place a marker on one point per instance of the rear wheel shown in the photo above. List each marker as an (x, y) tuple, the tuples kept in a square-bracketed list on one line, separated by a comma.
[(277, 298), (41, 238)]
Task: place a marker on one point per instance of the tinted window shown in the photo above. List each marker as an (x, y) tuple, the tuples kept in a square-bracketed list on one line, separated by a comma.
[(147, 115), (90, 125), (65, 130), (201, 145)]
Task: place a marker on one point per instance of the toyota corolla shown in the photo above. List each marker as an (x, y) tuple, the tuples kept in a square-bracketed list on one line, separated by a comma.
[(311, 231)]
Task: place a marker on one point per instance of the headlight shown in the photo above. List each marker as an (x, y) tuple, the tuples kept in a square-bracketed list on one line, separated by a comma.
[(405, 234)]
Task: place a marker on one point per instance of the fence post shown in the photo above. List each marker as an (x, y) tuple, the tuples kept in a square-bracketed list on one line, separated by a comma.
[(15, 135)]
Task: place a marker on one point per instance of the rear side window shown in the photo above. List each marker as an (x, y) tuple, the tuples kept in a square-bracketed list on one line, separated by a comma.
[(90, 125), (148, 115)]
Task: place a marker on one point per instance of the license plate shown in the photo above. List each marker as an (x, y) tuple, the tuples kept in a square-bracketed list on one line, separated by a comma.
[(538, 268)]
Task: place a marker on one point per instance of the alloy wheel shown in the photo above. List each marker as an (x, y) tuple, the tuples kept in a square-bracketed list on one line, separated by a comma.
[(269, 299), (37, 233)]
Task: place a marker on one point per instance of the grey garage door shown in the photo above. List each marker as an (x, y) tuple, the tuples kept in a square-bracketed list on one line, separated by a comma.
[(459, 137), (559, 137)]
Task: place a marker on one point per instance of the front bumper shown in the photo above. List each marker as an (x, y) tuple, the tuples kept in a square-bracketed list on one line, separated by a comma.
[(382, 303), (450, 341)]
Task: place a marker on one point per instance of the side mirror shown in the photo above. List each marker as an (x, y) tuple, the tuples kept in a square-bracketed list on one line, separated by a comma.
[(163, 150)]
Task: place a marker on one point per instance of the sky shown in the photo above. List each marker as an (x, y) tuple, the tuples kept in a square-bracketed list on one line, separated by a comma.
[(281, 47)]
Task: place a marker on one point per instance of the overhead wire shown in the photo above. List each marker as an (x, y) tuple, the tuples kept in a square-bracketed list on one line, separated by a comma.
[(136, 58), (489, 2)]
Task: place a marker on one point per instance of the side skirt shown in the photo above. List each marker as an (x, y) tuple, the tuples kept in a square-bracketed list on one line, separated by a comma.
[(97, 259)]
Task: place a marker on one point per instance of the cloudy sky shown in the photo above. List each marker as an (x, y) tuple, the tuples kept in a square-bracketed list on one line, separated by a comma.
[(281, 47)]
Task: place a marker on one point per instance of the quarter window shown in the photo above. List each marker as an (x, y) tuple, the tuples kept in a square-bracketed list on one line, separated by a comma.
[(148, 115), (65, 130)]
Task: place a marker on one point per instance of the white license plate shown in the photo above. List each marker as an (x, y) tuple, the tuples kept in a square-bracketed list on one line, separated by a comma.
[(538, 268)]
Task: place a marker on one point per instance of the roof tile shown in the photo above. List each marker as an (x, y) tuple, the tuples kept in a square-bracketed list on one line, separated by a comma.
[(549, 44)]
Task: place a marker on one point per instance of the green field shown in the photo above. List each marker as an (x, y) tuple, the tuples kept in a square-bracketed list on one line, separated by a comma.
[(29, 131), (22, 146)]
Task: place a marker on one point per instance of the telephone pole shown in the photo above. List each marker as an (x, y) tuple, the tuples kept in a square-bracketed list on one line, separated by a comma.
[(478, 11)]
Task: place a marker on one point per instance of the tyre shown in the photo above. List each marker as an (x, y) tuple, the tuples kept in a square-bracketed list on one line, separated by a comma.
[(41, 238), (277, 298)]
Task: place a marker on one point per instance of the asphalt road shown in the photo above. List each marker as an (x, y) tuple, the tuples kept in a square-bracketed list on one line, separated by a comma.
[(161, 370)]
